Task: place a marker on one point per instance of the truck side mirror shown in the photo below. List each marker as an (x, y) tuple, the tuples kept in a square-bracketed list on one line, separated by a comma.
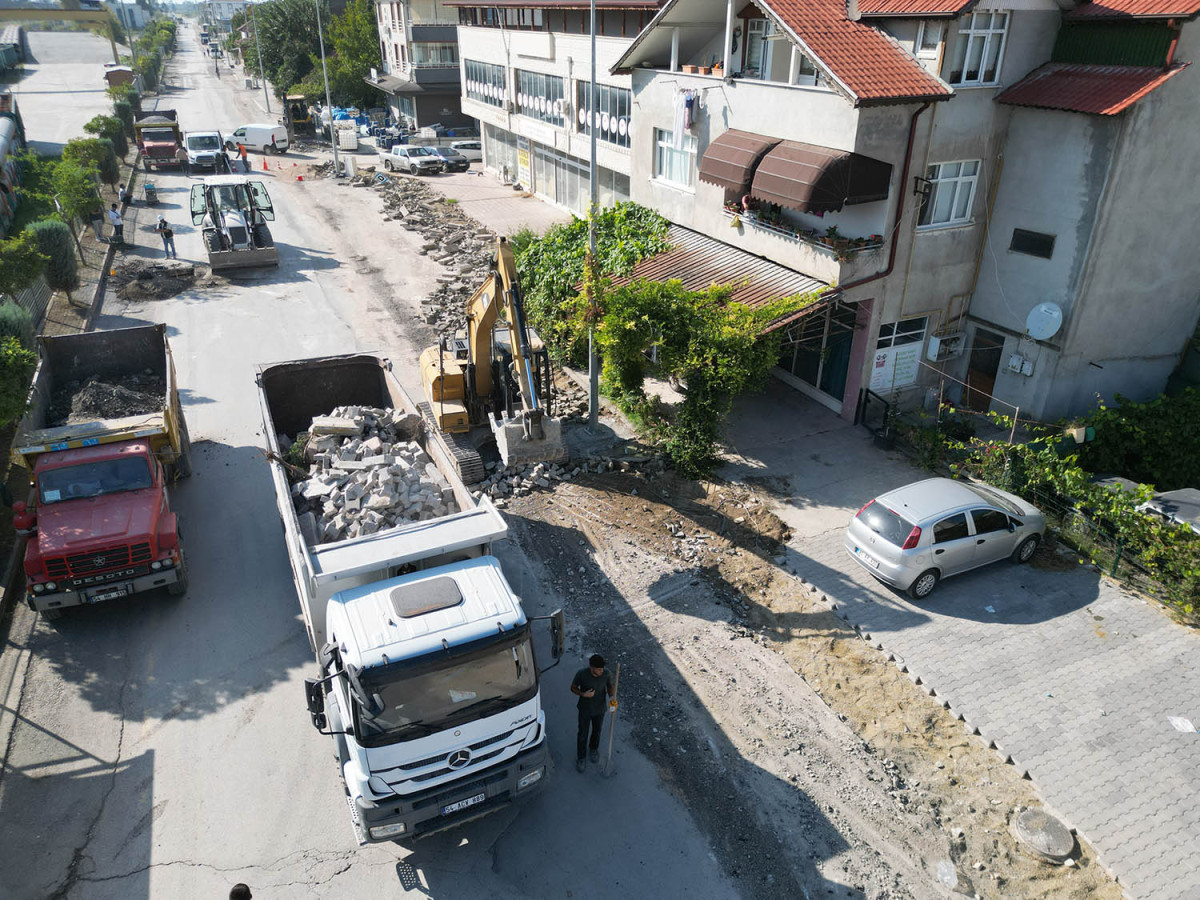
[(558, 633), (315, 696)]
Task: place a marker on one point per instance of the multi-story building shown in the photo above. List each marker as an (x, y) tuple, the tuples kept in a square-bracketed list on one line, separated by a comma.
[(526, 76), (219, 13), (419, 65), (989, 186)]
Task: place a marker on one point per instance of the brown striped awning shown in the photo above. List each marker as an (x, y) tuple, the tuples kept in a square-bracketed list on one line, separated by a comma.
[(731, 159), (700, 262), (819, 179)]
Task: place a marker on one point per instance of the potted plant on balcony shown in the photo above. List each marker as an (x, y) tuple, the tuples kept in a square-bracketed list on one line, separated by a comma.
[(690, 69)]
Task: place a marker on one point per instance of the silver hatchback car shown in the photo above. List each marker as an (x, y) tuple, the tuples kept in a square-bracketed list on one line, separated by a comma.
[(914, 536)]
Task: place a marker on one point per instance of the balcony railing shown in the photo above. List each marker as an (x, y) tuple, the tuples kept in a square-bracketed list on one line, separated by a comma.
[(842, 248)]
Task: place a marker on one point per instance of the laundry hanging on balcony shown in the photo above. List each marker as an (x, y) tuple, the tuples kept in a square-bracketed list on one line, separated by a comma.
[(687, 102)]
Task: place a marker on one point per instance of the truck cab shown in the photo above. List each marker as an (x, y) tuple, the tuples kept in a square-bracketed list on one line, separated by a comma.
[(205, 149), (433, 695), (100, 527)]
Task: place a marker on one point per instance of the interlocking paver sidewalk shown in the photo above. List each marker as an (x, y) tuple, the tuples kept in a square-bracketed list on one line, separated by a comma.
[(1072, 676)]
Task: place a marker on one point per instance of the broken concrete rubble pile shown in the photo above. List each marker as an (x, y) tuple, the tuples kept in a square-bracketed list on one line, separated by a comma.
[(505, 482), (367, 473), (462, 246)]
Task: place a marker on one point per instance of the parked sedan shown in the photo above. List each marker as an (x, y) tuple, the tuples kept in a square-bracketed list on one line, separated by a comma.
[(914, 536), (452, 159)]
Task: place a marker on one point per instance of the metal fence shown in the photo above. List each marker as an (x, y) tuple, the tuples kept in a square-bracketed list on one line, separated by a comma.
[(35, 300)]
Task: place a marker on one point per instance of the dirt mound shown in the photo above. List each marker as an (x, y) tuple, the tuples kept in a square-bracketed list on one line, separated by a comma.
[(139, 279), (95, 399)]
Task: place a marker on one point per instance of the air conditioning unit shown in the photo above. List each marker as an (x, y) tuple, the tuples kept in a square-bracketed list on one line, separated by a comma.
[(944, 346)]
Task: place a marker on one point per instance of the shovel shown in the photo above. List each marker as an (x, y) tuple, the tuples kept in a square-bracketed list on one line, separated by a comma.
[(609, 769)]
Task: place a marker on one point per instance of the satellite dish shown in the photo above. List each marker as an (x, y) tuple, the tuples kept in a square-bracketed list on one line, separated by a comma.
[(1043, 321)]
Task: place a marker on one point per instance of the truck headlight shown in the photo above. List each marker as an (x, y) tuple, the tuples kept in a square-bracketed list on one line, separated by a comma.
[(532, 778), (386, 831), (51, 586), (156, 565), (38, 588)]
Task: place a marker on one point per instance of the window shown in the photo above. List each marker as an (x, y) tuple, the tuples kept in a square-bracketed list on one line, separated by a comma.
[(951, 193), (988, 521), (897, 359), (428, 54), (541, 97), (929, 38), (1033, 243), (952, 528), (485, 83), (614, 108), (979, 49), (674, 164), (897, 334), (758, 32)]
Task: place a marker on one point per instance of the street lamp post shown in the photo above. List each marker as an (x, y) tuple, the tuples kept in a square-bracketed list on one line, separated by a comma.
[(258, 53), (593, 363), (328, 101)]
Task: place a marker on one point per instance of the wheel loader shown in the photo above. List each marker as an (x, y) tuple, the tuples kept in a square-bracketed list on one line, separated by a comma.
[(233, 212), (493, 377)]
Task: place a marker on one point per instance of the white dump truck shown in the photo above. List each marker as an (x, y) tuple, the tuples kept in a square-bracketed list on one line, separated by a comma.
[(428, 679)]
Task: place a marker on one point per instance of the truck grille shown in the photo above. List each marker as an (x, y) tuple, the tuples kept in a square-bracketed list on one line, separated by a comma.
[(441, 757), (59, 567)]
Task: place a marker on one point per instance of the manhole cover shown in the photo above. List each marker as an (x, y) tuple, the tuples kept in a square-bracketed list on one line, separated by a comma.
[(1045, 835)]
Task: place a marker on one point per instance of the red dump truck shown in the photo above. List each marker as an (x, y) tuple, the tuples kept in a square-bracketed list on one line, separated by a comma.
[(158, 137), (103, 437)]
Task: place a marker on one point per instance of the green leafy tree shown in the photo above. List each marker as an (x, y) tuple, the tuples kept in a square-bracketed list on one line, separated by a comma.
[(15, 321), (109, 127), (287, 36), (74, 188), (54, 240), (124, 111), (354, 50), (16, 372), (95, 152), (20, 263)]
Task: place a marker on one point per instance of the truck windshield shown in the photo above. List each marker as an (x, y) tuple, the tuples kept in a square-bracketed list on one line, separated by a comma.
[(109, 476), (204, 142), (158, 134), (420, 701)]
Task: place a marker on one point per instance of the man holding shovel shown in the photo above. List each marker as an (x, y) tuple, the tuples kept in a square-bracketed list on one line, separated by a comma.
[(591, 685)]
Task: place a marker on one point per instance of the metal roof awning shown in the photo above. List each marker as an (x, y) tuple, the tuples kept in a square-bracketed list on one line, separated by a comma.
[(699, 262), (390, 84), (731, 159), (819, 179)]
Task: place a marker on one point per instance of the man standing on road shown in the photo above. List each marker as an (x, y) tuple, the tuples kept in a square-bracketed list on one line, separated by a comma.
[(245, 160), (168, 237), (118, 225), (240, 891), (181, 157), (591, 685)]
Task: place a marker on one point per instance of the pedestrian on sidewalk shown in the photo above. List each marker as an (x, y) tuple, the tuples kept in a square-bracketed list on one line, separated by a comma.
[(168, 237), (96, 220), (181, 157), (245, 160), (118, 225), (123, 195), (591, 685)]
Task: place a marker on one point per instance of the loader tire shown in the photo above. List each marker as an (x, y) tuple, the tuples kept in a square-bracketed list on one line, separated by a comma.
[(212, 240), (262, 236)]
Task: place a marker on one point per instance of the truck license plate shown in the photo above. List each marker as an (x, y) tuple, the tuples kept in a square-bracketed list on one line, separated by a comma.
[(463, 804), (873, 563), (110, 594)]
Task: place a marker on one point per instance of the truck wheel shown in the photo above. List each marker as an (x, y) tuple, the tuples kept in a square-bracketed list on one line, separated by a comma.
[(146, 163), (413, 169), (262, 236), (387, 165), (183, 465), (212, 240), (179, 588)]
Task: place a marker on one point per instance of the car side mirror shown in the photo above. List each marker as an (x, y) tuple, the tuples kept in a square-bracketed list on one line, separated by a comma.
[(315, 695), (558, 633)]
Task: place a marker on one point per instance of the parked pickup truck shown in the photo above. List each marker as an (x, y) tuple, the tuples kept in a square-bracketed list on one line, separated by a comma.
[(98, 521), (158, 137), (428, 681), (414, 160)]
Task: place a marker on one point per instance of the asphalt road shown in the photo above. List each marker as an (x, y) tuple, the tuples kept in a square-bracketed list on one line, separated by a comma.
[(162, 747), (63, 87)]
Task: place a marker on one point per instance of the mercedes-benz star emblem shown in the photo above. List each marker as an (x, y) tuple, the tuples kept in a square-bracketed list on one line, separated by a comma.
[(458, 759)]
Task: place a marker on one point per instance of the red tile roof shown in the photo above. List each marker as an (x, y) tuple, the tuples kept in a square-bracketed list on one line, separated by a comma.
[(869, 64), (1098, 90), (913, 8), (1148, 9)]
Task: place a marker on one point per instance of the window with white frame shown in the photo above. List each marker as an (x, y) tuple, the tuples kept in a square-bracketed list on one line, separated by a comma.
[(541, 97), (485, 83), (951, 193), (929, 38), (980, 48), (897, 360), (613, 112), (674, 162), (758, 33), (429, 54)]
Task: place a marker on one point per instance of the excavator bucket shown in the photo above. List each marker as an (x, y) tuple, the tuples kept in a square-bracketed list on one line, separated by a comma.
[(249, 258), (530, 437)]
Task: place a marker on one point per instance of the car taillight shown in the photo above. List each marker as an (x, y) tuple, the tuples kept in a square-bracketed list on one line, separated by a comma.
[(864, 509), (910, 542)]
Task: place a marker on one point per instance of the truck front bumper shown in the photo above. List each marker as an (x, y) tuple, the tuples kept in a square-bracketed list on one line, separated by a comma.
[(109, 590), (432, 811)]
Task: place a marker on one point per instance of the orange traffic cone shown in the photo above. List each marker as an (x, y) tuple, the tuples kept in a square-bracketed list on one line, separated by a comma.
[(265, 164), (299, 177)]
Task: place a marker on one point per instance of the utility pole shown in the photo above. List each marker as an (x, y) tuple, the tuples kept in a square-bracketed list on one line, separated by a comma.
[(593, 363), (258, 53), (328, 101)]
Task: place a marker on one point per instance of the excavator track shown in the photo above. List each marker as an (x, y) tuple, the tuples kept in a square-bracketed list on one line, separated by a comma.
[(466, 458)]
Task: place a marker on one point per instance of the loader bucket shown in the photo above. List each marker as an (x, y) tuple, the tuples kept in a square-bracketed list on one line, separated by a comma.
[(243, 259), (530, 438)]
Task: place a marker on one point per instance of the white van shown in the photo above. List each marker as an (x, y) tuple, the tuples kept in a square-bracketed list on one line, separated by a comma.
[(260, 138)]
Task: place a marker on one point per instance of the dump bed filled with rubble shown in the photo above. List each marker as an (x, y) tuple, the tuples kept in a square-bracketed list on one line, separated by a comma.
[(366, 473)]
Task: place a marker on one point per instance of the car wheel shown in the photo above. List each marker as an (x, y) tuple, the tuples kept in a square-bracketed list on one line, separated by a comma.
[(387, 165), (414, 169), (924, 585), (1026, 549)]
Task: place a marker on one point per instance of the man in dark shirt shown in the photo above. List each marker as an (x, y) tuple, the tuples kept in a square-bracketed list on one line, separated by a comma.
[(591, 685)]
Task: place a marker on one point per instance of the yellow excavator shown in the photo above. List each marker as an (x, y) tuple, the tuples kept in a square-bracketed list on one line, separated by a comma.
[(496, 374)]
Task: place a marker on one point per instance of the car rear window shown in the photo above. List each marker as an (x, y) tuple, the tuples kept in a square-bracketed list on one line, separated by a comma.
[(890, 526)]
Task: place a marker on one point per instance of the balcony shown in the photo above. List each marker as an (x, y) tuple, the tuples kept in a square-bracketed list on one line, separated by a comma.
[(833, 258)]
